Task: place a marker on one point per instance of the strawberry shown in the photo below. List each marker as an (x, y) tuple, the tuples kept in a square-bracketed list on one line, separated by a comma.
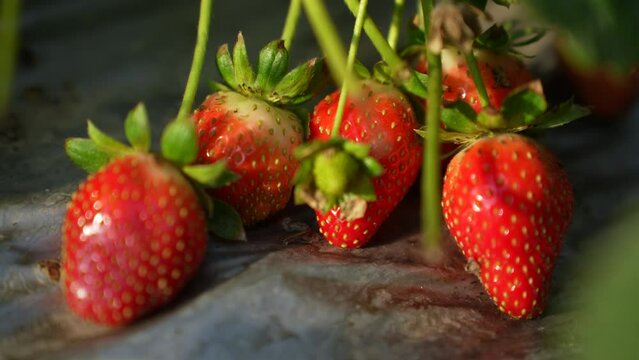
[(135, 230), (251, 130), (383, 119), (134, 233), (508, 203), (501, 73)]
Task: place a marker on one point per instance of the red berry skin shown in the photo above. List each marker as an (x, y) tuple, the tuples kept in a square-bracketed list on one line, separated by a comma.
[(383, 118), (257, 140), (133, 235), (501, 74), (508, 203)]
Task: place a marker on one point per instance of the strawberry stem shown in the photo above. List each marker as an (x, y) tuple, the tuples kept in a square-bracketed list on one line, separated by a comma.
[(9, 14), (290, 25), (350, 62), (396, 21), (379, 41), (327, 37), (473, 67), (431, 183), (198, 59)]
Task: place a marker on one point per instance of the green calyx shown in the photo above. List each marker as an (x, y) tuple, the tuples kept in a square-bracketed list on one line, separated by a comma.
[(336, 172), (333, 171), (523, 109), (272, 81), (178, 143)]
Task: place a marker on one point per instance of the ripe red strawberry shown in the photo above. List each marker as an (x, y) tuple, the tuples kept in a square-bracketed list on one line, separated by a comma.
[(134, 233), (383, 118), (501, 74), (257, 140), (508, 202), (251, 130)]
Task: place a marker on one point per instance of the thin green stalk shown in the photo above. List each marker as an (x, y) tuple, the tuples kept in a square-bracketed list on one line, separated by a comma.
[(399, 70), (431, 212), (327, 37), (396, 23), (292, 18), (198, 59), (9, 14), (426, 7), (431, 184), (377, 38), (350, 62), (473, 67)]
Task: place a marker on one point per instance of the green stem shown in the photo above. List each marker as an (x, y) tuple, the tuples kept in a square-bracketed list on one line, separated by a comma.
[(377, 38), (425, 7), (396, 22), (350, 62), (9, 14), (431, 212), (327, 37), (292, 18), (399, 70), (198, 60), (473, 67)]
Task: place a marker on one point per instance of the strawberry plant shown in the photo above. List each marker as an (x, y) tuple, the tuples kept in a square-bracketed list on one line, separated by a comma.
[(135, 231)]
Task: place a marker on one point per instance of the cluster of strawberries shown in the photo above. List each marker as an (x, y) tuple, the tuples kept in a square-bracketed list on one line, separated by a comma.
[(136, 230)]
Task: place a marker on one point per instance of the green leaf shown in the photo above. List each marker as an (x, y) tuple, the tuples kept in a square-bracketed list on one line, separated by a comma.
[(363, 188), (137, 128), (312, 147), (304, 173), (298, 80), (381, 73), (461, 117), (415, 85), (244, 75), (271, 66), (179, 142), (489, 118), (105, 142), (225, 66), (524, 36), (522, 107), (361, 70), (86, 154), (416, 34), (373, 167), (226, 222), (561, 115), (495, 38), (211, 175), (216, 86), (358, 150)]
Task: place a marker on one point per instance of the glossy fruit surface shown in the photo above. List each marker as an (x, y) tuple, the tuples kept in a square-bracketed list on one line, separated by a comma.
[(382, 117), (508, 203), (133, 235)]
